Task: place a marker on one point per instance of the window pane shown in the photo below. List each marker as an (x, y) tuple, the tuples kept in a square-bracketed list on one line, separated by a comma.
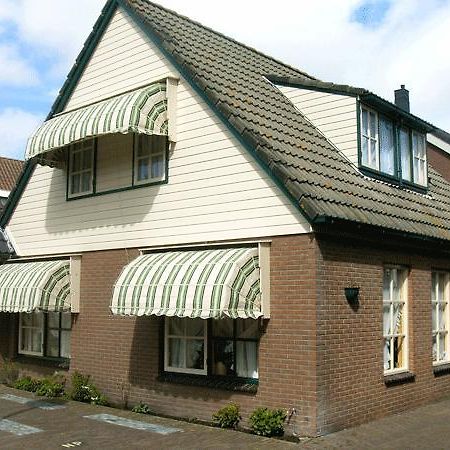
[(365, 151), (86, 182), (75, 184), (176, 352), (419, 156), (66, 320), (223, 327), (157, 166), (387, 284), (434, 281), (52, 343), (373, 154), (195, 327), (387, 150), (247, 359), (387, 319), (398, 318), (223, 358), (442, 316), (434, 347), (441, 288), (142, 169), (247, 329), (176, 326), (38, 319), (373, 125), (387, 354), (442, 347), (365, 121), (87, 159), (65, 344), (434, 317), (76, 162), (398, 352), (53, 320), (194, 354), (144, 145), (27, 319), (405, 152)]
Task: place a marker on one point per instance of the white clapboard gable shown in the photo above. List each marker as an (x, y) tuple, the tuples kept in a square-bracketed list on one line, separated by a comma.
[(333, 114), (216, 191)]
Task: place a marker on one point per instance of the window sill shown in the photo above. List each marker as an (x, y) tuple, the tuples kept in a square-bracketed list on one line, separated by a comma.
[(391, 179), (58, 363), (399, 378), (215, 382), (441, 369)]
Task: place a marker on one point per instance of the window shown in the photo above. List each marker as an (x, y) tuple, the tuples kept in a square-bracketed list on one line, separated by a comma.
[(114, 163), (81, 168), (392, 150), (149, 160), (224, 347), (439, 316), (395, 319), (45, 334)]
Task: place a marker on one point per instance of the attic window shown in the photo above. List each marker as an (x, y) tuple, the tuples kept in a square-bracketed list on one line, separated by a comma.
[(390, 150)]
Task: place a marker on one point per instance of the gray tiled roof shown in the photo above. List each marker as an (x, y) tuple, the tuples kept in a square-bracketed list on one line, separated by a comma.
[(313, 172)]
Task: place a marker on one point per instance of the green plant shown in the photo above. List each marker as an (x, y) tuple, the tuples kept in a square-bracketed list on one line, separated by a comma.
[(50, 387), (228, 416), (142, 408), (84, 391), (27, 384), (9, 373), (268, 422)]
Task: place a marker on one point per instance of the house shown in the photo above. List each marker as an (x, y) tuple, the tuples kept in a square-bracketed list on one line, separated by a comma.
[(439, 152), (10, 170), (199, 223)]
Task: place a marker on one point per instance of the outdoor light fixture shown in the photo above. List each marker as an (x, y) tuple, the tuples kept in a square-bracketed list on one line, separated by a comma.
[(352, 294)]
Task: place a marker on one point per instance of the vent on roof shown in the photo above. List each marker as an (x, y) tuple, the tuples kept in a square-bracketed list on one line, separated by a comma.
[(402, 98)]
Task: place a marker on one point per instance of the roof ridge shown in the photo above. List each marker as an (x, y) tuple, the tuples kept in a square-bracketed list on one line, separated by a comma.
[(11, 159), (228, 38)]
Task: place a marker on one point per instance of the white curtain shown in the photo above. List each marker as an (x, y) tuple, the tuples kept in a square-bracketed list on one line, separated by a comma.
[(247, 359)]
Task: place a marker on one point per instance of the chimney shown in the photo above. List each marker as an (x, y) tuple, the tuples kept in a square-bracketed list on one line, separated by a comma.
[(402, 98)]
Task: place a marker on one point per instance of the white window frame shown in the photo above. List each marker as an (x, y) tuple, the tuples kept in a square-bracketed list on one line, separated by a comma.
[(404, 317), (435, 304), (81, 147), (154, 152), (419, 154), (168, 336), (370, 138), (42, 331)]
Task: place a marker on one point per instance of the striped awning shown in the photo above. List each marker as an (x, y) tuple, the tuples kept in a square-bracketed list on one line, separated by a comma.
[(201, 283), (142, 111), (31, 286)]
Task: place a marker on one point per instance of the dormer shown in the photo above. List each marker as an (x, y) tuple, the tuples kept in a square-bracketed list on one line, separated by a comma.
[(382, 140)]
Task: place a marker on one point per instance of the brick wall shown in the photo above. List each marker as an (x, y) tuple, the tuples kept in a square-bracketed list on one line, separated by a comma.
[(351, 387), (122, 354), (439, 160)]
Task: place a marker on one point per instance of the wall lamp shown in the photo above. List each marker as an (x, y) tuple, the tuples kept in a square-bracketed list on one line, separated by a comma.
[(352, 295)]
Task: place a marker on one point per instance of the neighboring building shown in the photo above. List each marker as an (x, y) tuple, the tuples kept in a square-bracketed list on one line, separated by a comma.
[(439, 152), (10, 170), (203, 224)]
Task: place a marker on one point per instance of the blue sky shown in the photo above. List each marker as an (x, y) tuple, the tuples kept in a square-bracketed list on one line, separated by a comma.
[(374, 44)]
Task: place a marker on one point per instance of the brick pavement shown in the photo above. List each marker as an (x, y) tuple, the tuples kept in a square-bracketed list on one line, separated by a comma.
[(427, 427)]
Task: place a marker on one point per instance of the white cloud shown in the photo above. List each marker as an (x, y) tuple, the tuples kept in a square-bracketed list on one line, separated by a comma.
[(16, 125), (15, 70)]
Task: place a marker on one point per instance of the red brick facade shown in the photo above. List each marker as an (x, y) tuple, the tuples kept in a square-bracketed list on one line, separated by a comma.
[(317, 354), (439, 160)]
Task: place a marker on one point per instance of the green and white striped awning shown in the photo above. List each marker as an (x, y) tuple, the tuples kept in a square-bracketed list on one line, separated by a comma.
[(142, 111), (31, 286), (201, 283)]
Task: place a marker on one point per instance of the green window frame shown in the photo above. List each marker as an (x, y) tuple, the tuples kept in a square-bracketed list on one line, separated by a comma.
[(391, 151)]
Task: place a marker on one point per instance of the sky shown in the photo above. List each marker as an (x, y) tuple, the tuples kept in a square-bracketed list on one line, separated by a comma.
[(373, 44)]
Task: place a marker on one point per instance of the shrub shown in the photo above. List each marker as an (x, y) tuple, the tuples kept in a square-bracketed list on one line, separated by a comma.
[(27, 384), (84, 391), (50, 387), (268, 422), (142, 408), (228, 416), (9, 373)]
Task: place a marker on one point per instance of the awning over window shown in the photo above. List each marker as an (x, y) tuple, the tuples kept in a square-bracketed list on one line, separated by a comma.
[(202, 283), (30, 286), (141, 111)]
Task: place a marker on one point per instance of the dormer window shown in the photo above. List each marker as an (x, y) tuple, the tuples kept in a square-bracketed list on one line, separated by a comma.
[(395, 152)]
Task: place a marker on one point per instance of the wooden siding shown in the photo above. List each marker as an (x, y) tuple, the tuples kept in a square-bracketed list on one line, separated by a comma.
[(216, 191), (334, 115)]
